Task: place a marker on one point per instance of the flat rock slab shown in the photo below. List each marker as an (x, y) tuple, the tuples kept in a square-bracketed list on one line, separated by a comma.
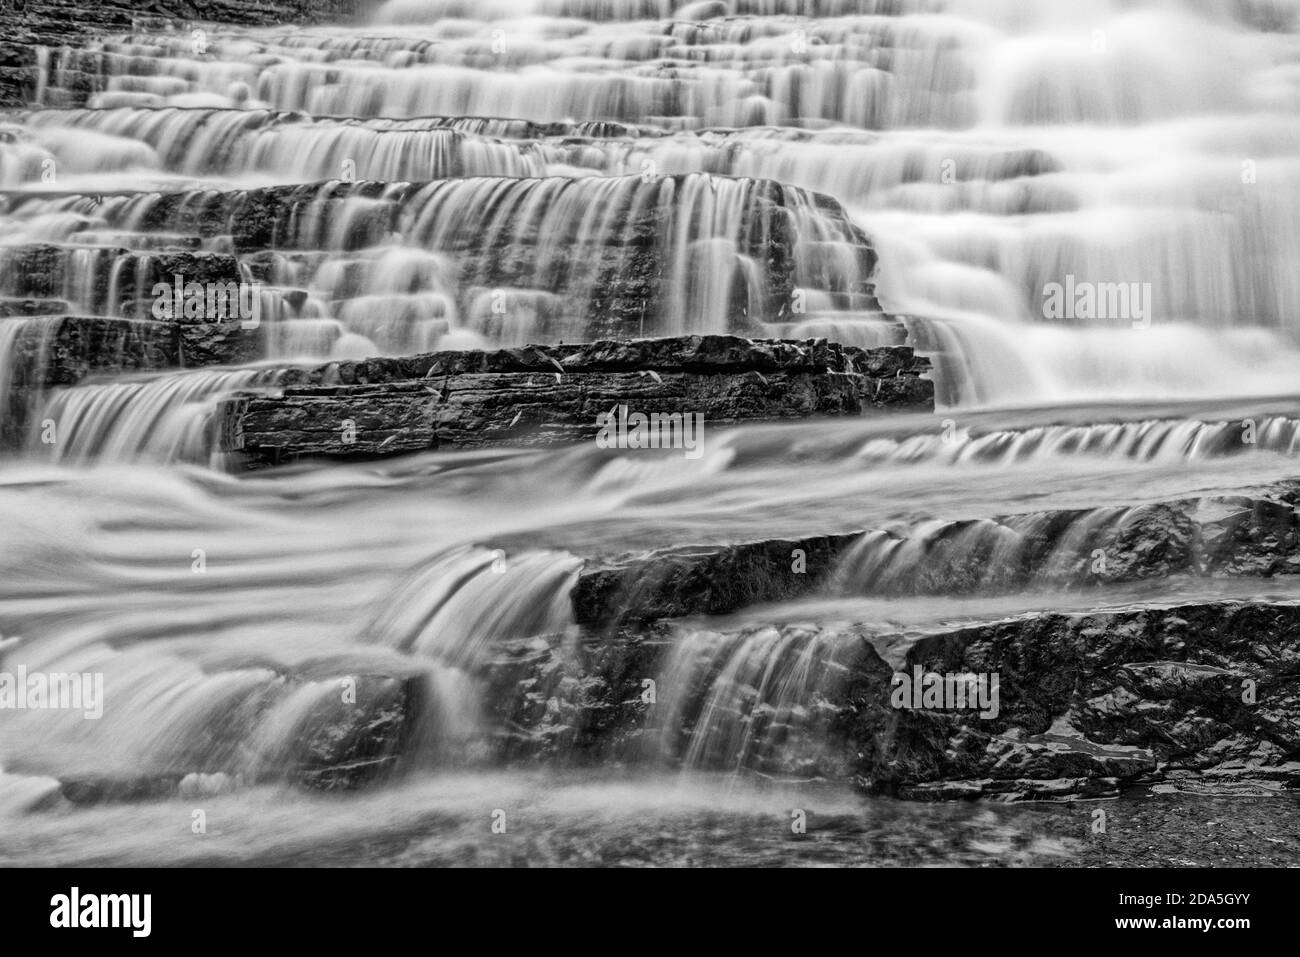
[(547, 395), (1216, 537)]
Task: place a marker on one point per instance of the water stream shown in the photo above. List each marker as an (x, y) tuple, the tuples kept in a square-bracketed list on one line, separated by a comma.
[(977, 153)]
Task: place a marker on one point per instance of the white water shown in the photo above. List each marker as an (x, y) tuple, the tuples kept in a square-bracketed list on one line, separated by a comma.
[(986, 149)]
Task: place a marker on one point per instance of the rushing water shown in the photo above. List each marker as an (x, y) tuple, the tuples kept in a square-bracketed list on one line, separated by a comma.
[(985, 149)]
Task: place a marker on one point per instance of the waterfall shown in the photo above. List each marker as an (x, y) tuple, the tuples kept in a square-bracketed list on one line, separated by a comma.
[(756, 700), (155, 418), (25, 345), (988, 153), (1082, 215), (1149, 440), (460, 604)]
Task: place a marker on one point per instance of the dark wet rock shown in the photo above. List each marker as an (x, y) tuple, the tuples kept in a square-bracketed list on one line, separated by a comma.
[(230, 342), (1088, 705), (696, 354), (1215, 536), (1123, 696), (10, 308), (544, 395), (705, 581), (30, 24), (56, 351), (1159, 540), (106, 789), (44, 270), (614, 283), (349, 741), (1013, 790), (557, 699), (1081, 547), (1154, 541), (1250, 535), (110, 281), (144, 272), (358, 732)]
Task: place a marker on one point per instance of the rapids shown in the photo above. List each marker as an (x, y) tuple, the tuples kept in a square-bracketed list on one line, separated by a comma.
[(984, 148)]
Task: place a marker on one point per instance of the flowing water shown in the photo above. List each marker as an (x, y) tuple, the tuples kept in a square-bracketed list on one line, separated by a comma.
[(985, 150)]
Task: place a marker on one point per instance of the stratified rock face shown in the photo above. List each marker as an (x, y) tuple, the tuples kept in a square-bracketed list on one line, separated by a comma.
[(51, 351), (54, 23), (1087, 702), (566, 701), (124, 327), (544, 395), (564, 258), (707, 580), (703, 355), (1214, 537), (26, 306), (1202, 695), (357, 735)]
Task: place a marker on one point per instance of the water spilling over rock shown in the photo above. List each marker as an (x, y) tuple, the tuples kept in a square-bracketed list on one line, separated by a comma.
[(347, 360)]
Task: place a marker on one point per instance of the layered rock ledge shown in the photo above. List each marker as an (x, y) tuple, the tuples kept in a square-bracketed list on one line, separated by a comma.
[(546, 395), (1214, 537), (53, 351), (1200, 696), (556, 257), (33, 24)]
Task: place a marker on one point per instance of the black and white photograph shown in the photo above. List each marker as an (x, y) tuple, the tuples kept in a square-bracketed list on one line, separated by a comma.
[(629, 434)]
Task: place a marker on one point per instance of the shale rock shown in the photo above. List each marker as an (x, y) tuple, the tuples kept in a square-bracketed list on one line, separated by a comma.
[(545, 395), (56, 23), (674, 583), (1087, 704), (53, 351), (1108, 699), (347, 742)]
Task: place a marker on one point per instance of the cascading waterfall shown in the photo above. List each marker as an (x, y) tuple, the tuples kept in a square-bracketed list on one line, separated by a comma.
[(456, 175), (756, 700), (940, 556), (157, 418), (25, 345), (1001, 193), (461, 603), (259, 144), (1150, 440)]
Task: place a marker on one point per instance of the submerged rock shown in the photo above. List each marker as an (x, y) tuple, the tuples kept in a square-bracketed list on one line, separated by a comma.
[(323, 727), (105, 789)]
